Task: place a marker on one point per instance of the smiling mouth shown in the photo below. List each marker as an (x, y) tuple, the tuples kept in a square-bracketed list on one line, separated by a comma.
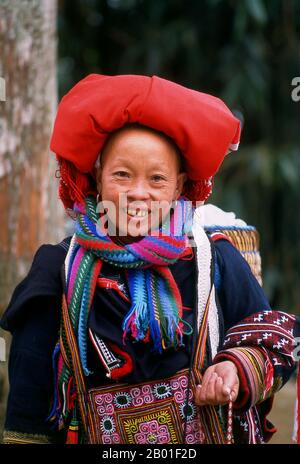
[(137, 213)]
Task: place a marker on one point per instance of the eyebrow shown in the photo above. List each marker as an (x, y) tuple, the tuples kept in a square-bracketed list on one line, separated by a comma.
[(126, 162)]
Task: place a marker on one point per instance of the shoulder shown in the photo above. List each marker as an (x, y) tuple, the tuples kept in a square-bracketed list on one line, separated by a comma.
[(43, 280), (55, 253), (240, 259), (45, 272), (227, 253), (231, 263), (239, 291)]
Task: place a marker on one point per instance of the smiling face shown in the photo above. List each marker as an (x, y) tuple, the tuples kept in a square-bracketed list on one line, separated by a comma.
[(140, 174)]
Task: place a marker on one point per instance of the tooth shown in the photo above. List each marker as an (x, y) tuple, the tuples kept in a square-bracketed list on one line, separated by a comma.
[(140, 213)]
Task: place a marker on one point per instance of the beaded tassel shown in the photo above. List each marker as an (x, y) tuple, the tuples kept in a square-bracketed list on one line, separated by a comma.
[(73, 430), (229, 436)]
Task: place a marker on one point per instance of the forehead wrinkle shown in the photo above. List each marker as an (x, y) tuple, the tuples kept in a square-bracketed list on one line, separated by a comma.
[(155, 168)]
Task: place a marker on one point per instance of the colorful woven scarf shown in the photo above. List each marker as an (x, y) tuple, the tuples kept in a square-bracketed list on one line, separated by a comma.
[(155, 313)]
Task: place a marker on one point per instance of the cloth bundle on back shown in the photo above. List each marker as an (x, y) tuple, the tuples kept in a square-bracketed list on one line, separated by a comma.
[(162, 409)]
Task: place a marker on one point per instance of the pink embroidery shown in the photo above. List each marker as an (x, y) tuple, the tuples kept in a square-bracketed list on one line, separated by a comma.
[(146, 413), (152, 432)]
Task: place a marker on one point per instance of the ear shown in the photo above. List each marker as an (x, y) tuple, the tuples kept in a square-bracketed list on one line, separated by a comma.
[(181, 178)]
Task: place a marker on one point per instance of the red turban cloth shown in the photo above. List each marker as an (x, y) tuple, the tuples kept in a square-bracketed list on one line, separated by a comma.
[(201, 125)]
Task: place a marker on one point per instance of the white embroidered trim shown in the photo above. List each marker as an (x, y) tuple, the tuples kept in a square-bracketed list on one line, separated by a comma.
[(204, 260), (68, 256), (213, 324), (203, 255)]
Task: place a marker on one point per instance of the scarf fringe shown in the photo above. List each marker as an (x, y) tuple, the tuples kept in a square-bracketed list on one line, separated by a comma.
[(54, 414), (63, 402), (136, 322)]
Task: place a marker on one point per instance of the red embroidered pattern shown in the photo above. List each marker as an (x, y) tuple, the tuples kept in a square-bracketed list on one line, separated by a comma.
[(271, 329)]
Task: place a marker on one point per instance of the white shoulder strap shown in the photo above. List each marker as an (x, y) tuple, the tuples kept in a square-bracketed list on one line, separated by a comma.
[(204, 266)]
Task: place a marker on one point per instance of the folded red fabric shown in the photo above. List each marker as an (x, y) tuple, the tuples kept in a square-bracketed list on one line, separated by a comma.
[(200, 124)]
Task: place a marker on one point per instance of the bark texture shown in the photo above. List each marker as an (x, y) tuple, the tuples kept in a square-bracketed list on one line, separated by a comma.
[(30, 213)]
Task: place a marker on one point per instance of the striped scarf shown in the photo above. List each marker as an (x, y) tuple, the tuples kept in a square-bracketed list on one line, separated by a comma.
[(155, 313)]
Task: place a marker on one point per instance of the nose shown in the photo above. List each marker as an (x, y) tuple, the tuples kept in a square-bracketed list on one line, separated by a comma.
[(138, 191)]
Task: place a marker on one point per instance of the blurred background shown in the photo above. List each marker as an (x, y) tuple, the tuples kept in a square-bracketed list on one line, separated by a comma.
[(246, 52)]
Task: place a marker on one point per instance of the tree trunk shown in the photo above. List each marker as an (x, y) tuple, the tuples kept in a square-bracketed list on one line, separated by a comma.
[(30, 213)]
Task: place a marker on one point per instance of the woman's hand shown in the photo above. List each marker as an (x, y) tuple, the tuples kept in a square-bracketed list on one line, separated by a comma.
[(220, 384)]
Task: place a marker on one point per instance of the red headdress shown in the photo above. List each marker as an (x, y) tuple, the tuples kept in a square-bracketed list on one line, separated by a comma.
[(201, 125)]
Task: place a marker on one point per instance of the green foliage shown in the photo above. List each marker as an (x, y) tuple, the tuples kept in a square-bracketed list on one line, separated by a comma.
[(246, 52)]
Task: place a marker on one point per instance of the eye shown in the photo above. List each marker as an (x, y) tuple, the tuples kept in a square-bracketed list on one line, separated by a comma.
[(158, 178), (121, 174)]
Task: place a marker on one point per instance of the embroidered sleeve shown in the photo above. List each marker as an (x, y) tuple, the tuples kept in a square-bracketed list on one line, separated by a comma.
[(261, 346), (255, 372)]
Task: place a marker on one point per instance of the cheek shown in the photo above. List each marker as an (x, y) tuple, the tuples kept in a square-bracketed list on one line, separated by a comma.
[(166, 193), (109, 190)]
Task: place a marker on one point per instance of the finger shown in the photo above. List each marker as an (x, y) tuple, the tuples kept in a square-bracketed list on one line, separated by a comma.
[(211, 389), (207, 376), (226, 390), (220, 396), (234, 392), (198, 395), (201, 390), (230, 379)]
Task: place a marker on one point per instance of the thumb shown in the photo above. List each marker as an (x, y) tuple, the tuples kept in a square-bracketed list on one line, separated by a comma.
[(234, 392), (231, 384)]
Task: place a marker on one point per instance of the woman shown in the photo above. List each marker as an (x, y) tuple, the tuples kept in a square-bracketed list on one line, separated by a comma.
[(148, 351)]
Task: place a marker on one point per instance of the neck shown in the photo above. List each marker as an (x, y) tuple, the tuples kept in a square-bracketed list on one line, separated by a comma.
[(126, 240)]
